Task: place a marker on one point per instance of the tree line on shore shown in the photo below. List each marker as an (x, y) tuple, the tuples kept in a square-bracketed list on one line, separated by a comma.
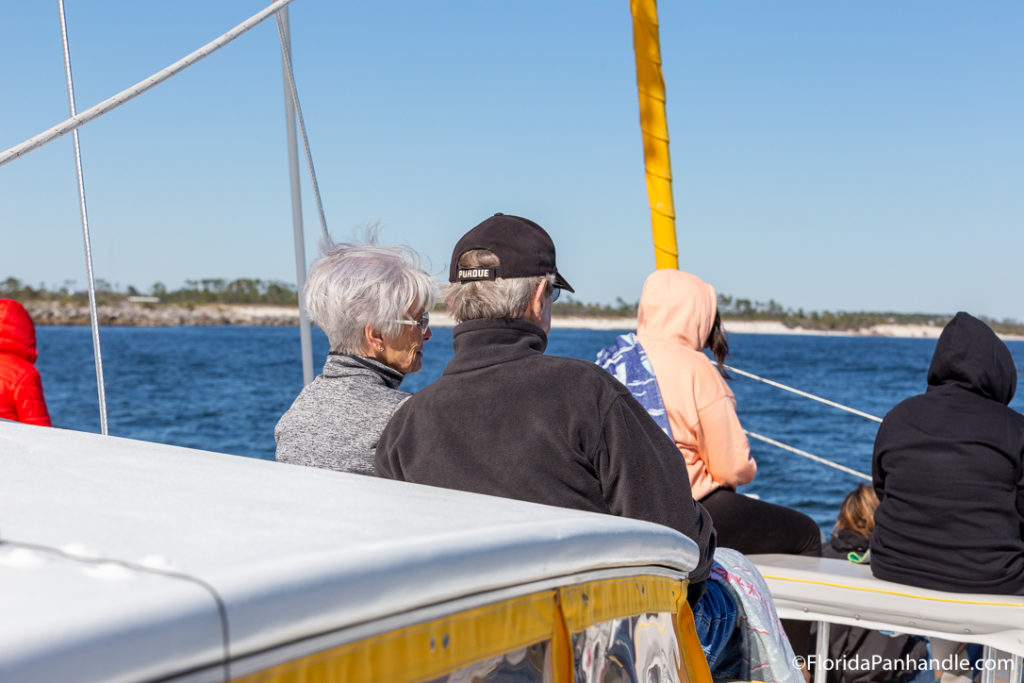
[(205, 291), (276, 293), (736, 308), (842, 321)]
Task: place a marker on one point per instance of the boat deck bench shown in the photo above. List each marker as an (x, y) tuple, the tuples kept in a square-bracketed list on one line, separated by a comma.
[(833, 591)]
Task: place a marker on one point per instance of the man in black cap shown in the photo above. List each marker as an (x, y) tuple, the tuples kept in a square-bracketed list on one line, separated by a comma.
[(506, 420)]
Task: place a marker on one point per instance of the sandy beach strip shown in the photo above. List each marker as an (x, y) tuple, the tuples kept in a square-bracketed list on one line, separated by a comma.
[(134, 314), (742, 327)]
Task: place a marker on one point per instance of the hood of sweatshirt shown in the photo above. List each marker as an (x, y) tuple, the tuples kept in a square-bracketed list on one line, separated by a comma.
[(17, 333), (676, 308), (970, 355)]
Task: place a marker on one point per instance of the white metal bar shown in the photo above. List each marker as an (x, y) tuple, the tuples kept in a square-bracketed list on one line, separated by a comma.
[(305, 337), (93, 315), (988, 656), (142, 86), (821, 650)]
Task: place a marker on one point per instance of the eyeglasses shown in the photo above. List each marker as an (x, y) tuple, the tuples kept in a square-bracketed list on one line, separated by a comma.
[(423, 323), (555, 293)]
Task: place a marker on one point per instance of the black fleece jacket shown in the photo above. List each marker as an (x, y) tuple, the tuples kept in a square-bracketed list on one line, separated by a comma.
[(948, 468), (506, 420)]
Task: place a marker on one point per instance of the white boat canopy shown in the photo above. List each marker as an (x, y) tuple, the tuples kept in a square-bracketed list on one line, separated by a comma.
[(124, 559)]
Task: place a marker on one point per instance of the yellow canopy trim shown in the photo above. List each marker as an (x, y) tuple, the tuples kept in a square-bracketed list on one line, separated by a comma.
[(435, 648)]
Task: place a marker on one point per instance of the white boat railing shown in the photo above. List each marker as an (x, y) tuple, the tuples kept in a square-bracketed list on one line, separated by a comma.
[(833, 591)]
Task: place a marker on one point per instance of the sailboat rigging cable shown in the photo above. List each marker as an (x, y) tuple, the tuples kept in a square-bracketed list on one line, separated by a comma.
[(76, 120), (805, 454), (286, 58), (142, 86), (93, 317), (798, 392)]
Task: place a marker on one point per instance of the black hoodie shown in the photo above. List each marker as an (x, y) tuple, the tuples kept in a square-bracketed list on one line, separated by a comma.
[(948, 468)]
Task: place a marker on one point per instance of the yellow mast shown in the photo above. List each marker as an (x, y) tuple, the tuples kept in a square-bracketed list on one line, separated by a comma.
[(653, 123)]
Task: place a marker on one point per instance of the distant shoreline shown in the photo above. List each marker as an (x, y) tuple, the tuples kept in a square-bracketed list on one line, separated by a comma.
[(167, 315), (775, 327)]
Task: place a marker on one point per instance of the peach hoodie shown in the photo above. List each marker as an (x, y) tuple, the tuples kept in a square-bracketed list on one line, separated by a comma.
[(676, 313)]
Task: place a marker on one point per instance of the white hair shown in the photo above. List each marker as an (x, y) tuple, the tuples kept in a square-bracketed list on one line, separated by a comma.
[(497, 298), (354, 285)]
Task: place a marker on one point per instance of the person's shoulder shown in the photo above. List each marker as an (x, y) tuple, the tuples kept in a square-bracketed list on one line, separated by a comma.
[(13, 361), (330, 397), (582, 370), (909, 408), (1016, 420), (589, 379), (16, 371), (684, 362), (395, 397)]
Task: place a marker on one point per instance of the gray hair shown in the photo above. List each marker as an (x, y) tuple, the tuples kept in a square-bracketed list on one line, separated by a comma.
[(498, 298), (353, 285)]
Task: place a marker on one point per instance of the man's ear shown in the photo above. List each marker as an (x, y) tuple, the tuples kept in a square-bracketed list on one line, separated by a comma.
[(535, 309), (373, 339)]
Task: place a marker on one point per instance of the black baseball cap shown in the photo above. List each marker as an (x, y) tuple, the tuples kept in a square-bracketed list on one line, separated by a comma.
[(523, 248)]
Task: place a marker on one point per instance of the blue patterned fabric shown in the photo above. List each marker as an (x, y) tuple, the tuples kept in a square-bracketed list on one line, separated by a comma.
[(628, 363), (764, 651)]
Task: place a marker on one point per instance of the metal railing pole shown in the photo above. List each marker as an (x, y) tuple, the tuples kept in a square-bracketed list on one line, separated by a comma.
[(305, 336)]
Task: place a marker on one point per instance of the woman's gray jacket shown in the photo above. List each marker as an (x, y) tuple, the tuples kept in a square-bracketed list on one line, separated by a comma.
[(336, 420)]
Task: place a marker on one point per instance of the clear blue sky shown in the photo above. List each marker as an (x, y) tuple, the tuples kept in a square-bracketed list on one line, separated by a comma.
[(851, 156)]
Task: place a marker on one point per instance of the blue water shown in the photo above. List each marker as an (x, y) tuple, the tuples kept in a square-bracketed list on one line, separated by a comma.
[(223, 389)]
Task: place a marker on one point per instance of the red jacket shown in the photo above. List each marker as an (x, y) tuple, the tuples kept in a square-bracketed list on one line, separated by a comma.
[(21, 390)]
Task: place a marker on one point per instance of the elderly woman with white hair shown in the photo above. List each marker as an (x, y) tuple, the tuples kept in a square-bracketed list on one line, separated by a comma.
[(373, 303)]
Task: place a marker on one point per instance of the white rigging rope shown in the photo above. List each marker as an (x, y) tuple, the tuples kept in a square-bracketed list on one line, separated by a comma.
[(286, 58), (798, 392), (809, 456), (93, 316), (803, 393), (142, 86)]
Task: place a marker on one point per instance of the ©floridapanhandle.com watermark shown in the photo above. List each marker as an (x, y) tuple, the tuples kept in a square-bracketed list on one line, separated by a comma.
[(877, 662)]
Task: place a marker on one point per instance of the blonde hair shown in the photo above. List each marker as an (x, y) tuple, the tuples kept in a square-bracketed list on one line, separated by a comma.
[(857, 513)]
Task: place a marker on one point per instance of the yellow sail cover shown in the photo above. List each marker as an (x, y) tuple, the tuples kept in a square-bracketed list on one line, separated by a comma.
[(653, 123)]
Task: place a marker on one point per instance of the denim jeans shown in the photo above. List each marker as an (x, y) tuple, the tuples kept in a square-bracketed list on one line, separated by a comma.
[(715, 619)]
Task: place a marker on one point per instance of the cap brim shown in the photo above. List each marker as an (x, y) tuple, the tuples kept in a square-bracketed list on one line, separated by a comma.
[(562, 283)]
